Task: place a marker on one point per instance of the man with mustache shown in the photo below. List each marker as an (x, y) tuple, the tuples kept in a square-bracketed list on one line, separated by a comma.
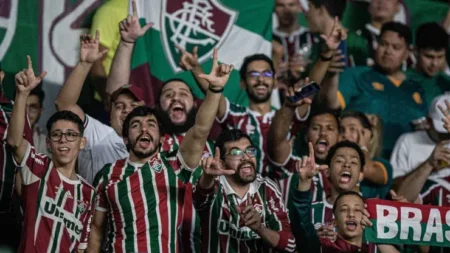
[(239, 208), (105, 144), (143, 194)]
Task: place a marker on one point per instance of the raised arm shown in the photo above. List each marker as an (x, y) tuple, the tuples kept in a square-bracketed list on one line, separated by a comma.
[(279, 146), (193, 144), (70, 91), (26, 81), (189, 61), (130, 31)]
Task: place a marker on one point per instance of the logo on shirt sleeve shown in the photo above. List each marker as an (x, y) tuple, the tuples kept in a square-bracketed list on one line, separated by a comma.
[(417, 98), (378, 86)]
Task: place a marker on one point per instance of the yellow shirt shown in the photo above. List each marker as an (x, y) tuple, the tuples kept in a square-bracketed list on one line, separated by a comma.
[(106, 20)]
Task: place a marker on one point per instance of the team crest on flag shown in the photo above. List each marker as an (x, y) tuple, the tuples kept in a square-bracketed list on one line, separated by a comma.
[(189, 23), (155, 165)]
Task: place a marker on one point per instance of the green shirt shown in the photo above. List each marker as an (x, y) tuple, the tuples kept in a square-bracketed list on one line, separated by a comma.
[(366, 90), (371, 190), (432, 86)]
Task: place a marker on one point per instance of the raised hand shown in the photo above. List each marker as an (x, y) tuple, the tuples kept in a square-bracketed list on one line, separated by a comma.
[(212, 166), (290, 92), (188, 61), (365, 222), (130, 29), (26, 79), (446, 112), (219, 73), (397, 198), (336, 63), (336, 36), (307, 167), (89, 48), (327, 231)]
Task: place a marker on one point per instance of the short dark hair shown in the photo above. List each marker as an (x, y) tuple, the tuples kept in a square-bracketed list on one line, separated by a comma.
[(40, 94), (316, 113), (365, 122), (230, 135), (142, 111), (255, 57), (347, 193), (346, 144), (65, 116), (402, 30), (431, 36), (335, 8)]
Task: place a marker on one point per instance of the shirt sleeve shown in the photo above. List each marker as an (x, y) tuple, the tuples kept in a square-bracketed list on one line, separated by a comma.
[(280, 219), (304, 230), (178, 165), (95, 131), (233, 114), (101, 202), (203, 198), (87, 223), (399, 158), (34, 165), (348, 87)]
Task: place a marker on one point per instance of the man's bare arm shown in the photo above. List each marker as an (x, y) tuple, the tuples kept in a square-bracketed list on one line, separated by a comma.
[(130, 31), (70, 92), (193, 144)]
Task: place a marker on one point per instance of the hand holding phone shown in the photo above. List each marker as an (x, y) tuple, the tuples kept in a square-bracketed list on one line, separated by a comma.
[(304, 92)]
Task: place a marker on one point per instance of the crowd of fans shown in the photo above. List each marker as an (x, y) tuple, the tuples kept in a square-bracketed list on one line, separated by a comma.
[(288, 180)]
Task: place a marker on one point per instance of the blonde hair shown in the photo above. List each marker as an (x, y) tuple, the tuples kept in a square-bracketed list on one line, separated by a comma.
[(376, 142)]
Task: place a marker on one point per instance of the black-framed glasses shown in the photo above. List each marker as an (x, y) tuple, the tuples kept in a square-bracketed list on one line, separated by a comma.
[(238, 154), (257, 74), (70, 136)]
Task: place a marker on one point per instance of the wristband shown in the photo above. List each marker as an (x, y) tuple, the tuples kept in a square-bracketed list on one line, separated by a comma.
[(127, 41), (323, 58), (211, 88)]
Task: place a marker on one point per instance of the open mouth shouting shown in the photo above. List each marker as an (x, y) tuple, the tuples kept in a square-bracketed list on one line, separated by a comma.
[(63, 150), (322, 146), (345, 177), (352, 225), (144, 141), (177, 110), (247, 169)]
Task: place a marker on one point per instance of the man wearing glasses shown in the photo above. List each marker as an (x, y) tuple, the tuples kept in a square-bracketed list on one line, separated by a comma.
[(58, 204), (239, 208), (258, 80)]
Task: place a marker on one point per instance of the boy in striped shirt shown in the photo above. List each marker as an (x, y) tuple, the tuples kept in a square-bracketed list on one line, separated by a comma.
[(240, 210), (58, 204), (143, 194)]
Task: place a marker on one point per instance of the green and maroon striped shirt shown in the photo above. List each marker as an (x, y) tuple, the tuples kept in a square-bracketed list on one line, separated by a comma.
[(144, 202), (222, 229)]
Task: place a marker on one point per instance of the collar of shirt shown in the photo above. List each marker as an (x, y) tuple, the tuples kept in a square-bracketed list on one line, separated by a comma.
[(372, 29), (229, 190)]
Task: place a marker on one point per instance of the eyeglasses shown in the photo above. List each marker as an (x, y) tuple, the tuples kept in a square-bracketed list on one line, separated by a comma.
[(264, 74), (70, 136), (238, 154)]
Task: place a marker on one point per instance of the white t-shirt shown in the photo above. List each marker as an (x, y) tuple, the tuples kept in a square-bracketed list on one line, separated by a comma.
[(103, 146), (411, 150)]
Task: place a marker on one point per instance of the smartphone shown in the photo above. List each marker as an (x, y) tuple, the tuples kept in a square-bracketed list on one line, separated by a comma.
[(343, 48), (305, 91)]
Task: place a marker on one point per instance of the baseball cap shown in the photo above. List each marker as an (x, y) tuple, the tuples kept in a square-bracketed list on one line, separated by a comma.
[(133, 89), (435, 113)]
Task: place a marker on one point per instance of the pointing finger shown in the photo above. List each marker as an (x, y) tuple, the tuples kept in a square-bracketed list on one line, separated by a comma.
[(97, 35), (215, 60), (134, 8), (195, 51), (30, 64), (217, 153)]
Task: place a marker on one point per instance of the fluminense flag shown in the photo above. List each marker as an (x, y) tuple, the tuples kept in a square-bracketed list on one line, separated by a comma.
[(237, 28), (410, 224)]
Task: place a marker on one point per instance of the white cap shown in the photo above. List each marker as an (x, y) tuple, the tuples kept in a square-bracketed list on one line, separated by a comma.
[(435, 113)]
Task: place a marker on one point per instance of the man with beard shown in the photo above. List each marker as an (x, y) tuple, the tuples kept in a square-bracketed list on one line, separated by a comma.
[(383, 90), (240, 209), (143, 194), (105, 144)]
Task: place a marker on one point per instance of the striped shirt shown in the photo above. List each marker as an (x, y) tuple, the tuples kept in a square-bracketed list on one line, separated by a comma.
[(436, 192), (7, 170), (57, 210), (257, 127), (295, 42), (191, 221), (144, 203), (222, 228)]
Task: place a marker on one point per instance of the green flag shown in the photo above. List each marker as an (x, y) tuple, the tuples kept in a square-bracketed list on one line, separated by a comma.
[(236, 28)]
